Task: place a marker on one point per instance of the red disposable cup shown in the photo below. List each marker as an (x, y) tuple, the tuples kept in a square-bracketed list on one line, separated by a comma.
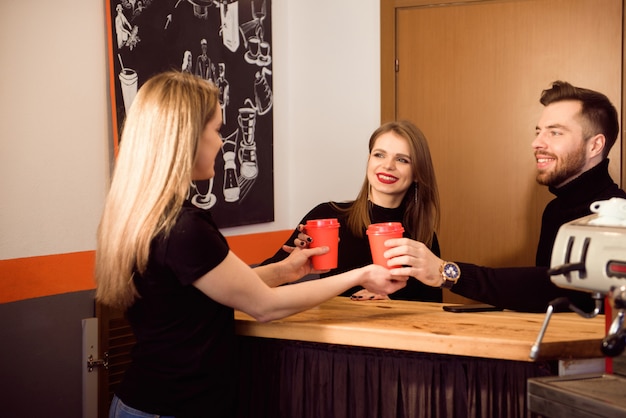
[(378, 234), (325, 233)]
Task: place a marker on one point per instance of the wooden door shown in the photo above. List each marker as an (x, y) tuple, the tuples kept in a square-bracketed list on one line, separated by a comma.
[(470, 74), (116, 341)]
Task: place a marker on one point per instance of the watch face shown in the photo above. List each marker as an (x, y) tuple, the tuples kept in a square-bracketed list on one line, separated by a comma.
[(451, 271)]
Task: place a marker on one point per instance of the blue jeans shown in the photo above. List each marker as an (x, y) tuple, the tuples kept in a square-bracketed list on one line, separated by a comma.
[(120, 410)]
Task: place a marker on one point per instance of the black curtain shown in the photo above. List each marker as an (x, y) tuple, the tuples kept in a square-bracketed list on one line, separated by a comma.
[(280, 378)]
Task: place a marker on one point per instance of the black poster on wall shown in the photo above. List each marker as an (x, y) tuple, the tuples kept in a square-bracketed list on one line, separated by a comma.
[(222, 41)]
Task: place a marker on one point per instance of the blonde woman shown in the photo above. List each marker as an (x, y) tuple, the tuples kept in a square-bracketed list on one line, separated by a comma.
[(165, 262)]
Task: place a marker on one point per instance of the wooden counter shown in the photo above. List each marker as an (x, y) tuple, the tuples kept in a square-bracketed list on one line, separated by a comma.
[(426, 327)]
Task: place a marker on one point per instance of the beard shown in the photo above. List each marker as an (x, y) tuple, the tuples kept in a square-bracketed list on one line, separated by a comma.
[(565, 168)]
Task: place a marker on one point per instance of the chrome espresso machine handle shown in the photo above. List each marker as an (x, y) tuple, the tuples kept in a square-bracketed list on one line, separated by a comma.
[(615, 341), (561, 303)]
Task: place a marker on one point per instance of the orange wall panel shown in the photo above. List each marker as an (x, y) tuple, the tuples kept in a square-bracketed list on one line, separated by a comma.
[(32, 277)]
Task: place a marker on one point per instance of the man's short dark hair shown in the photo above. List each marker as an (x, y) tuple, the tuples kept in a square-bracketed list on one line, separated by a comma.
[(597, 109)]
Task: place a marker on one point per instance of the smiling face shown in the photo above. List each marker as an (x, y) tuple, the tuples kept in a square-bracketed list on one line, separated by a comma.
[(209, 145), (561, 149), (389, 170)]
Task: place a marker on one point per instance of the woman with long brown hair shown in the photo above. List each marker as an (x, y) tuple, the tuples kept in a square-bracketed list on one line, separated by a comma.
[(399, 186)]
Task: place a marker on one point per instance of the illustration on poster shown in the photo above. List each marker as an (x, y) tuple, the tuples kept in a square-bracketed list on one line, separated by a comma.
[(210, 42)]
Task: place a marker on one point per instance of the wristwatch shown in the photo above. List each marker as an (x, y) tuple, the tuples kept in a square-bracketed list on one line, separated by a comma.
[(450, 274)]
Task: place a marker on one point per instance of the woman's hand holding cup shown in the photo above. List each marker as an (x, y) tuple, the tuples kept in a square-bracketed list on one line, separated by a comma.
[(298, 264), (379, 280), (302, 240)]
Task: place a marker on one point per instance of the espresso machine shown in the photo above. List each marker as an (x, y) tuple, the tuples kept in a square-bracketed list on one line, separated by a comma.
[(589, 254)]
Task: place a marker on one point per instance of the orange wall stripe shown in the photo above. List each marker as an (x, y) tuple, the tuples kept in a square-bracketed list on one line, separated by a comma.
[(254, 248), (26, 278), (33, 277)]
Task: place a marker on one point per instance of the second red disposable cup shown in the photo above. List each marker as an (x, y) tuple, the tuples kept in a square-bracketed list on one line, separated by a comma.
[(378, 234), (325, 232)]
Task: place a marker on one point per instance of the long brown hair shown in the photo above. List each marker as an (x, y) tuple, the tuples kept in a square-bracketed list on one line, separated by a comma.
[(421, 201)]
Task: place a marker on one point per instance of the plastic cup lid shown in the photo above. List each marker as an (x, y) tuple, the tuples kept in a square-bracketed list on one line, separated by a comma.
[(385, 228), (323, 223)]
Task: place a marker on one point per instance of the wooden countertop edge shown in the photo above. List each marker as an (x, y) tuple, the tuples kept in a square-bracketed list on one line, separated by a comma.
[(398, 340), (425, 327)]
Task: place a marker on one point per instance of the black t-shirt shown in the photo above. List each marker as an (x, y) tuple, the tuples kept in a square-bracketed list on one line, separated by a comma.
[(183, 363), (354, 251)]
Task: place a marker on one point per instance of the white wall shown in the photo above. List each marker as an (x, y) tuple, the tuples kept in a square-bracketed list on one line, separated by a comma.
[(54, 126), (56, 134)]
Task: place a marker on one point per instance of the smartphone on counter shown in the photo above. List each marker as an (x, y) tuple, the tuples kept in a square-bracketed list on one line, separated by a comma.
[(472, 307)]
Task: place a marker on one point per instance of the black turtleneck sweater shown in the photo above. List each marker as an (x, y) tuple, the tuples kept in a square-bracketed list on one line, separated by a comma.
[(530, 288), (355, 251), (572, 202)]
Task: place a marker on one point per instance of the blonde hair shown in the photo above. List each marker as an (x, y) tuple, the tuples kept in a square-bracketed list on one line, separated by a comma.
[(421, 201), (151, 178)]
